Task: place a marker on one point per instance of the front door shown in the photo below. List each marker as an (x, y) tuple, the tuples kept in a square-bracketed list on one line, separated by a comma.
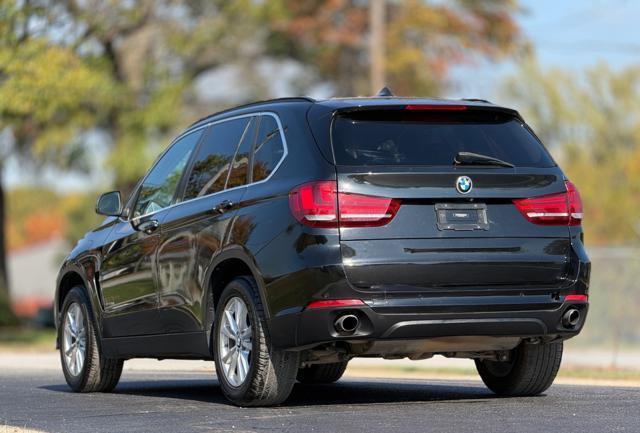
[(128, 272)]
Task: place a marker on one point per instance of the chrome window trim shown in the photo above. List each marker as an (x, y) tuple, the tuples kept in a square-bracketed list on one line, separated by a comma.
[(227, 119)]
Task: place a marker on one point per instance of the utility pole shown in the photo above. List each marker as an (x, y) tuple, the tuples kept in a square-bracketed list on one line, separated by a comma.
[(376, 45)]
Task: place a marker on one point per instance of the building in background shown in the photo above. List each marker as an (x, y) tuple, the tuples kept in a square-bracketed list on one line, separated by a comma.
[(33, 270)]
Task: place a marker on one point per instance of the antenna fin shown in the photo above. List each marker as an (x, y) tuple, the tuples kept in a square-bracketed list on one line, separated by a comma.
[(385, 91)]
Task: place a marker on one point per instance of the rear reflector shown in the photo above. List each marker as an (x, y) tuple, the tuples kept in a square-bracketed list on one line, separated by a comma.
[(576, 298), (319, 204), (334, 303), (564, 208), (440, 107)]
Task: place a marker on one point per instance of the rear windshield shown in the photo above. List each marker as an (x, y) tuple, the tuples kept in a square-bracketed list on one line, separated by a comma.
[(433, 138)]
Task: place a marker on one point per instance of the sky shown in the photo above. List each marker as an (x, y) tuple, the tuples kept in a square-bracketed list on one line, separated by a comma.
[(571, 34)]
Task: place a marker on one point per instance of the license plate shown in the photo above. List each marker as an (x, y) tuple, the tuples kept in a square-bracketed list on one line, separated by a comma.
[(462, 216)]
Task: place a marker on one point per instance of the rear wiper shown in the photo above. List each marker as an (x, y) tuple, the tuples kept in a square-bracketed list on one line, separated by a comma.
[(468, 158)]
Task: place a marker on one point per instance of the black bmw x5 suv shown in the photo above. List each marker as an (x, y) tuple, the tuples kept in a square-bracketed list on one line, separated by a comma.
[(283, 238)]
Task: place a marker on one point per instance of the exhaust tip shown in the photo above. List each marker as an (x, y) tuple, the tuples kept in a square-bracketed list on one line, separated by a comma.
[(571, 318), (347, 324)]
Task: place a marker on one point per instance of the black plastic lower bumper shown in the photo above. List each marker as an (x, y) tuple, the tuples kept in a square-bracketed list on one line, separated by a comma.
[(525, 316)]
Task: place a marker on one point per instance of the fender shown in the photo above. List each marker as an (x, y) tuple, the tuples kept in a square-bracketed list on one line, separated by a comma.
[(72, 266), (231, 252)]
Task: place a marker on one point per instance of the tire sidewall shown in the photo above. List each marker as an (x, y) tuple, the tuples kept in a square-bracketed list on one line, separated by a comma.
[(241, 289), (76, 295)]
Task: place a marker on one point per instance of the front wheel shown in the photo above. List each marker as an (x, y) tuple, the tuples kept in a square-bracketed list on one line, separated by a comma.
[(85, 368), (250, 371), (530, 371)]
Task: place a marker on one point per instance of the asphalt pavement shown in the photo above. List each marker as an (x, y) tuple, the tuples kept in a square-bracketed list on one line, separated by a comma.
[(179, 401)]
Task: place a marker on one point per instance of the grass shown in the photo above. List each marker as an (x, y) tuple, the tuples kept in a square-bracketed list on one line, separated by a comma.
[(596, 374), (27, 339), (599, 373)]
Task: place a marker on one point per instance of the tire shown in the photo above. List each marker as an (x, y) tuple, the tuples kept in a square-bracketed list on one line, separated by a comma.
[(530, 372), (269, 374), (322, 373), (95, 373)]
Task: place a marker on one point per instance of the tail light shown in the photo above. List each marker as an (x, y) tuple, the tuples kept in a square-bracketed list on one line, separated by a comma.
[(319, 204), (564, 208)]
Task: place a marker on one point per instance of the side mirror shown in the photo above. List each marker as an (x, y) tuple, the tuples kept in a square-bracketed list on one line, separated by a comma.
[(109, 204)]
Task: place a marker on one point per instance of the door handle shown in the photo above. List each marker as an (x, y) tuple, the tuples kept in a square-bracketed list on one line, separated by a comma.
[(149, 227), (223, 206)]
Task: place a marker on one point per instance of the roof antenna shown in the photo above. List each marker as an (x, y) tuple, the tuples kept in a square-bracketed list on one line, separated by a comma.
[(385, 92)]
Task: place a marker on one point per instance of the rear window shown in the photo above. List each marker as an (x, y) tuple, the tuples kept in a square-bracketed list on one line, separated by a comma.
[(433, 138)]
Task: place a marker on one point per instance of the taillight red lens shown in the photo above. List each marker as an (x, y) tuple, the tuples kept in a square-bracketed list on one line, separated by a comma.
[(315, 204), (575, 204), (356, 210), (564, 208), (319, 204)]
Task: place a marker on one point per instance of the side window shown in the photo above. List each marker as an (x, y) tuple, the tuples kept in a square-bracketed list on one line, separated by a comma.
[(159, 187), (269, 148), (240, 166), (211, 166)]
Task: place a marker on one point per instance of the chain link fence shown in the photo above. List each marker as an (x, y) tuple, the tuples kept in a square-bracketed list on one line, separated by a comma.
[(613, 324)]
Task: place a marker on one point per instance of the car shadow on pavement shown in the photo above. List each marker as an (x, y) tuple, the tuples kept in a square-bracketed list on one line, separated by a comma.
[(346, 391)]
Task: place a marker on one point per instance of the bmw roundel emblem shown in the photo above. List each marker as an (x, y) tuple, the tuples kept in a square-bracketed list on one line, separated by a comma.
[(464, 184)]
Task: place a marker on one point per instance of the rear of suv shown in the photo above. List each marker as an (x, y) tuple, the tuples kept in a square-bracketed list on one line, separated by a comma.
[(357, 227)]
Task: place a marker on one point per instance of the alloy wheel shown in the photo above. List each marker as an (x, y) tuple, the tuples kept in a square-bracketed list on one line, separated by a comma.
[(235, 342), (74, 344)]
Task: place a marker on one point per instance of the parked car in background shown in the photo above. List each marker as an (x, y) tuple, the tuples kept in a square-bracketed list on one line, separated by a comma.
[(284, 238)]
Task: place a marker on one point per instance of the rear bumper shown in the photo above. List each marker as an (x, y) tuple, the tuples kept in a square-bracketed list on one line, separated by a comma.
[(392, 313), (522, 316)]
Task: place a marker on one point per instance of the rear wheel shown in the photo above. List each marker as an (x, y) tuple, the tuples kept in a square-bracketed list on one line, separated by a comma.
[(322, 373), (85, 368), (251, 372), (531, 370)]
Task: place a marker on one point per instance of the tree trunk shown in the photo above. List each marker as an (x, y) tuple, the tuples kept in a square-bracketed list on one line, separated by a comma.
[(7, 317)]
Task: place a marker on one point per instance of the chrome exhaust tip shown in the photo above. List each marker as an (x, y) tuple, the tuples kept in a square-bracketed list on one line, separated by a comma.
[(571, 318), (347, 324)]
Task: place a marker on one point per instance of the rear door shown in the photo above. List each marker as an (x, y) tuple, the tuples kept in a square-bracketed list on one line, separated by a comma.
[(199, 227), (456, 226)]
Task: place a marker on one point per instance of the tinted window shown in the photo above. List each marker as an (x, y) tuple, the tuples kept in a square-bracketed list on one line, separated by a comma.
[(240, 166), (433, 138), (269, 148), (211, 166), (159, 187)]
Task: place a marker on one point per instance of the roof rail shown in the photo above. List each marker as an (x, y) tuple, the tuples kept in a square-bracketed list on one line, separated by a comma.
[(250, 104)]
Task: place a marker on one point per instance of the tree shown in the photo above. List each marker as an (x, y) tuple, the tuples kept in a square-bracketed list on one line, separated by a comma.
[(424, 39), (68, 67), (591, 123), (154, 50), (48, 97)]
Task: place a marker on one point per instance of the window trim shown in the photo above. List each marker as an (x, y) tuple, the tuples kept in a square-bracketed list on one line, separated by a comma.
[(132, 204), (197, 147)]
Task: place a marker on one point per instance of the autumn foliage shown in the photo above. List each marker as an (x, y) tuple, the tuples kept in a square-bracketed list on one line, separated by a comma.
[(424, 39)]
